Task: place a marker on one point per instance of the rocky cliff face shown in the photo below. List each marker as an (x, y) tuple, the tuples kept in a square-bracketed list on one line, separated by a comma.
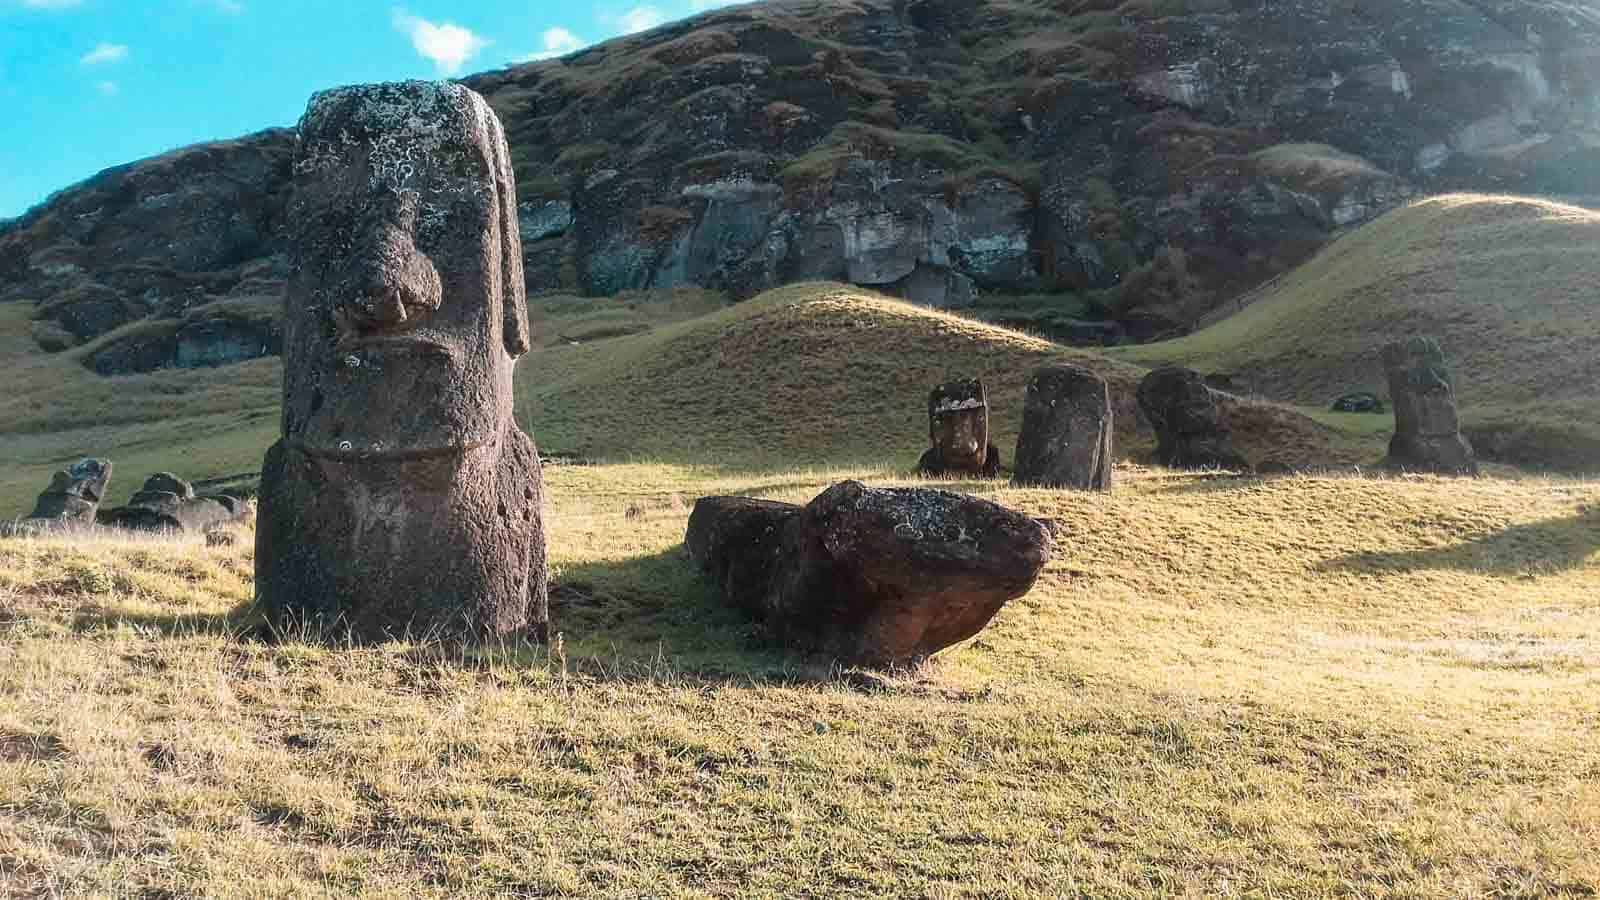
[(1166, 154)]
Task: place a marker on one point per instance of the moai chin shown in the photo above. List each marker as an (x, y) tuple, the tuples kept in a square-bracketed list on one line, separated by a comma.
[(402, 497), (958, 429), (1427, 429)]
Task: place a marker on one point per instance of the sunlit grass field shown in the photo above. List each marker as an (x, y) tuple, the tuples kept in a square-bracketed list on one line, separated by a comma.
[(1330, 685), (1290, 687)]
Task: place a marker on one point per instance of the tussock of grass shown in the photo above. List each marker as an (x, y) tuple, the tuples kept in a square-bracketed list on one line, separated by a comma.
[(1507, 285), (1303, 687)]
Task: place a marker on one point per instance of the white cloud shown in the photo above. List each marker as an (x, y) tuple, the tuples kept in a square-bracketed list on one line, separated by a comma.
[(557, 42), (449, 45), (640, 18), (108, 88), (105, 53), (51, 4)]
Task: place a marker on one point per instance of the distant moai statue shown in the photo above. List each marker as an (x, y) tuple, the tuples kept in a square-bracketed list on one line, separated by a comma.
[(1190, 431), (1427, 429), (958, 429), (1066, 431), (74, 494), (402, 497), (169, 503)]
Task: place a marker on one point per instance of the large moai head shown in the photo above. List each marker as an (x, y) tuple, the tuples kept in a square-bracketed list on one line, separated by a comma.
[(406, 305), (1067, 422), (1419, 385), (1178, 401), (958, 424)]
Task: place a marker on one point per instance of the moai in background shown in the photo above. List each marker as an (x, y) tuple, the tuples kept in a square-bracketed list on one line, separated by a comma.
[(74, 494), (1190, 431), (402, 497), (958, 429), (1066, 431), (1427, 430), (168, 503)]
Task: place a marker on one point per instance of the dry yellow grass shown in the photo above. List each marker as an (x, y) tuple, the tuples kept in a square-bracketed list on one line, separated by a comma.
[(1507, 284), (1299, 687)]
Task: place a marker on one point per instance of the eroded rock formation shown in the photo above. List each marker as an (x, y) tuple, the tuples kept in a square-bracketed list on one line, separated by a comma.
[(1066, 431), (402, 496), (958, 429), (1427, 429), (868, 576)]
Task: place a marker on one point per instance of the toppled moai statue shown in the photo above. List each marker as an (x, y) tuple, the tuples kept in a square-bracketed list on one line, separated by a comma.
[(1066, 431), (1190, 432), (402, 497), (958, 428), (74, 493), (1427, 431), (869, 576), (168, 503)]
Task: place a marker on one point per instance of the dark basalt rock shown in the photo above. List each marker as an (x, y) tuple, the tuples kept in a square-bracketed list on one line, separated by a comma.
[(868, 576), (1190, 432), (1359, 402), (958, 427), (74, 493), (1066, 431), (1427, 430), (168, 503), (402, 497)]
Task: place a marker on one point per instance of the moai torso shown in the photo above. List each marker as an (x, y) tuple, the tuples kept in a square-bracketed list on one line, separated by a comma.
[(1427, 427), (75, 492)]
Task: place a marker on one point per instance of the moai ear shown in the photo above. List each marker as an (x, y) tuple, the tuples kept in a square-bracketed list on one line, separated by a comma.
[(513, 289)]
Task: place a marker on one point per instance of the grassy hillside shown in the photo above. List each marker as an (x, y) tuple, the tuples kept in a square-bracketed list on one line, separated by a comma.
[(1507, 284), (828, 374), (1304, 687), (819, 373)]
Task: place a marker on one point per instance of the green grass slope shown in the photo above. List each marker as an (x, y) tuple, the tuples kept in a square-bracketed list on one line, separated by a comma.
[(827, 374), (1508, 284)]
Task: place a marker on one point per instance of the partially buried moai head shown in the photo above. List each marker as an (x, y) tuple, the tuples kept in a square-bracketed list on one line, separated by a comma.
[(406, 307)]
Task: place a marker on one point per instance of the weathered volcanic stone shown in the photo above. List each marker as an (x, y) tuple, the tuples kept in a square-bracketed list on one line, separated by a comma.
[(1427, 431), (168, 503), (402, 497), (1066, 430), (1190, 433), (74, 493), (869, 576), (958, 428)]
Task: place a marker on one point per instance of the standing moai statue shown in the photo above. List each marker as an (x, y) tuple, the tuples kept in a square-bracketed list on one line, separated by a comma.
[(1066, 431), (1427, 431), (74, 494), (958, 428), (402, 496), (1190, 432)]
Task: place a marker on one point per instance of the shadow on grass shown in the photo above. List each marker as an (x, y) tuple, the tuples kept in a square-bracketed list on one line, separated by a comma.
[(1537, 548), (634, 620), (240, 623)]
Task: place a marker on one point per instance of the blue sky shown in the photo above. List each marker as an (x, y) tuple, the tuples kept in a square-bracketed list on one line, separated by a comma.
[(87, 84)]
